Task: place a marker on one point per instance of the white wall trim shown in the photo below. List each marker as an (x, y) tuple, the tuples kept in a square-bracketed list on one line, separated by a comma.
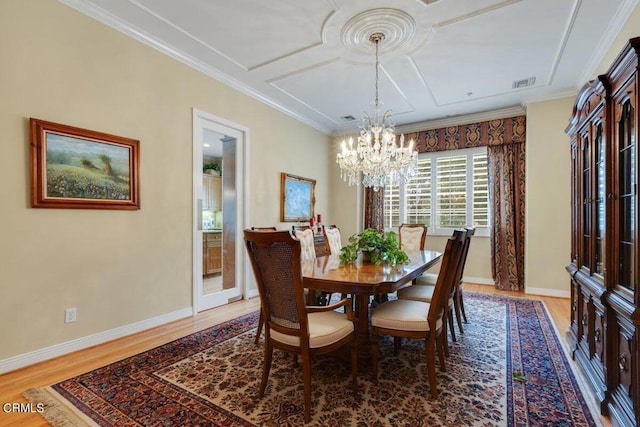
[(548, 292), (46, 353), (205, 120), (529, 291), (478, 280)]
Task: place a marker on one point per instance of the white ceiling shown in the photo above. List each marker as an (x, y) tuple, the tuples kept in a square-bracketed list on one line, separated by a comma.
[(440, 59)]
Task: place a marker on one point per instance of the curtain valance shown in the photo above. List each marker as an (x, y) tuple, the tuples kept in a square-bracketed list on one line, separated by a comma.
[(507, 131)]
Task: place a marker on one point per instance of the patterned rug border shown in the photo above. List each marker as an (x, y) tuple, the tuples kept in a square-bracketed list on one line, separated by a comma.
[(63, 410)]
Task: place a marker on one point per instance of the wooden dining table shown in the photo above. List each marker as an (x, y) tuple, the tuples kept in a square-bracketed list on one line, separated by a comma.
[(363, 280)]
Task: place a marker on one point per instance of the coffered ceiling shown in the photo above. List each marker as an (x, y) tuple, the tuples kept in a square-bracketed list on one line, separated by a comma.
[(440, 58)]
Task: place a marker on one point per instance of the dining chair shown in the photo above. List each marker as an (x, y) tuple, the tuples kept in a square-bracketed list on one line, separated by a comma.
[(412, 236), (332, 239), (261, 320), (289, 324), (307, 242), (423, 289), (404, 318)]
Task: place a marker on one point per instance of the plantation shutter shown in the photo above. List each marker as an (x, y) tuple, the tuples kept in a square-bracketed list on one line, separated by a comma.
[(418, 195), (391, 205), (451, 191), (480, 193)]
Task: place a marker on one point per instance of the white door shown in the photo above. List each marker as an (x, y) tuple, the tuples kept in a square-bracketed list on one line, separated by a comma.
[(224, 235)]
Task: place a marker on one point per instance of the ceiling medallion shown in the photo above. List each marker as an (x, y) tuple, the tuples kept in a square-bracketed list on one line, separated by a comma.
[(397, 26)]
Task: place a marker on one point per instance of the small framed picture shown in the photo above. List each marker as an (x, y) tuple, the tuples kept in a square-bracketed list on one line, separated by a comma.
[(297, 199), (79, 168)]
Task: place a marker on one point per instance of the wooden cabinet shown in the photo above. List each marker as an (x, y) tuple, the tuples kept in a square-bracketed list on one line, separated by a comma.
[(211, 193), (604, 258), (211, 253)]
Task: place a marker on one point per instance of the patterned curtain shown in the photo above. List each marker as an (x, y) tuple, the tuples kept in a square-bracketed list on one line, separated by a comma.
[(374, 208), (506, 165), (505, 142)]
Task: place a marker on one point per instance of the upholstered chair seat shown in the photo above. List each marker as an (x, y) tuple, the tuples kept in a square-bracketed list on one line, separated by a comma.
[(325, 328), (405, 315), (428, 279)]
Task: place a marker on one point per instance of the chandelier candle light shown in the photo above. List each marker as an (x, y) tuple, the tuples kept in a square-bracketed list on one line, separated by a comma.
[(377, 154)]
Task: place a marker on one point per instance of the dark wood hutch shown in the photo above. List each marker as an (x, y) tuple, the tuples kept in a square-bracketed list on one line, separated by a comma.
[(605, 263)]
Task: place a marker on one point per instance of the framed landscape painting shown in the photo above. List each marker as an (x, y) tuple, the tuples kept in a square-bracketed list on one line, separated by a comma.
[(297, 198), (79, 168)]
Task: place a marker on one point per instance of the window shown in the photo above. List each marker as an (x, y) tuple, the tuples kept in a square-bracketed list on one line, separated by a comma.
[(450, 190)]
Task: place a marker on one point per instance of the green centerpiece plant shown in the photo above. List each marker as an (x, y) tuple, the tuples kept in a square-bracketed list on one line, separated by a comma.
[(379, 247)]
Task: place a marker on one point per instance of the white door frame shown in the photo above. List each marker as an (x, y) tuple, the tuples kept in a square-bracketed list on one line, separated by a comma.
[(203, 120)]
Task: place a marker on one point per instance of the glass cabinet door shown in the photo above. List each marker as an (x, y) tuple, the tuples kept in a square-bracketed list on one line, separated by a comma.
[(627, 197), (586, 202), (600, 200)]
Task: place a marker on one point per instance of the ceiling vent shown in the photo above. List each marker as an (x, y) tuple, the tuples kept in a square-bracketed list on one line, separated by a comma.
[(348, 119), (518, 84)]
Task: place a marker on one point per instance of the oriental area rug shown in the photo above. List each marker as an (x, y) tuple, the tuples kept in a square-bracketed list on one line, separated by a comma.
[(508, 369)]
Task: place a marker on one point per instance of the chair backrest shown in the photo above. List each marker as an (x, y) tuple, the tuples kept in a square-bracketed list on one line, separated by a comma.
[(448, 273), (332, 239), (465, 251), (307, 244), (263, 228), (275, 259), (412, 236)]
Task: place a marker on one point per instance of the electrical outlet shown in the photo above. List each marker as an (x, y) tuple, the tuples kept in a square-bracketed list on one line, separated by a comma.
[(70, 315)]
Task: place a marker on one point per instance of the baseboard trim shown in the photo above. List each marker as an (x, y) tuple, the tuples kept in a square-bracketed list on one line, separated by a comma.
[(547, 292), (529, 291), (26, 359), (478, 280)]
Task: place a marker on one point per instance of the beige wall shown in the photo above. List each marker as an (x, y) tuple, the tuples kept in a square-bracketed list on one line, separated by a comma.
[(116, 267), (548, 209)]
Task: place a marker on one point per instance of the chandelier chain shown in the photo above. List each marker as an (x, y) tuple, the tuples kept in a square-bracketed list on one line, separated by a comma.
[(377, 155)]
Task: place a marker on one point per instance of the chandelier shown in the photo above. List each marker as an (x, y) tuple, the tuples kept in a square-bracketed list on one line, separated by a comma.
[(377, 155)]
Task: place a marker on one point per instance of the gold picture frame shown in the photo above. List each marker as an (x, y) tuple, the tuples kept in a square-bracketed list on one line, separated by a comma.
[(297, 198), (82, 169)]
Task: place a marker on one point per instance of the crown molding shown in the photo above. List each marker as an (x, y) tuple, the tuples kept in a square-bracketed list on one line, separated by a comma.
[(607, 40), (128, 29)]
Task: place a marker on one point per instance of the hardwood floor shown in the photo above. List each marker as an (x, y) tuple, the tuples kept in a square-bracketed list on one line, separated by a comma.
[(12, 384)]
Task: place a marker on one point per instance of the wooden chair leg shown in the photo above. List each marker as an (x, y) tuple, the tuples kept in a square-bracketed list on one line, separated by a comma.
[(456, 307), (461, 299), (445, 341), (397, 342), (260, 324), (306, 374), (266, 367), (440, 346), (430, 347), (374, 354), (354, 364), (450, 320)]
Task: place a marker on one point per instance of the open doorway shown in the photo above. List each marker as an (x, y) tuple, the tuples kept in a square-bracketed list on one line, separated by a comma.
[(219, 210)]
